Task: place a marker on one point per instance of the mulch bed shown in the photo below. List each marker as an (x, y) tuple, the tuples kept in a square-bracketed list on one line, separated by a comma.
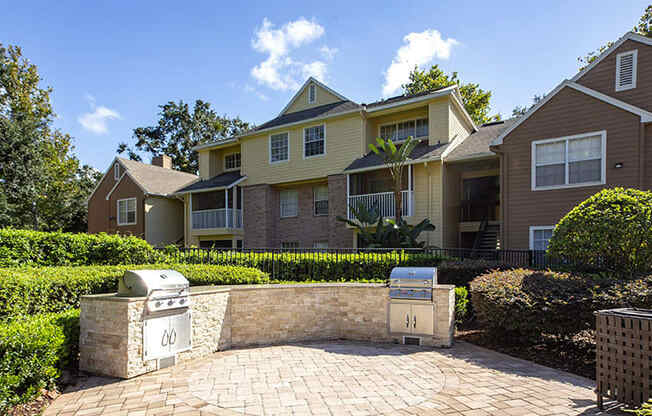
[(35, 407), (576, 355)]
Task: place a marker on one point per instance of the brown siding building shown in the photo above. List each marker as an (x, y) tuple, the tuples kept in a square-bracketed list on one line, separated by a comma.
[(587, 134)]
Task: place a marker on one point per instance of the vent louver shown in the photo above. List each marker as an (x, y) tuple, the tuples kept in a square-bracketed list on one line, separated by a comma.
[(626, 70)]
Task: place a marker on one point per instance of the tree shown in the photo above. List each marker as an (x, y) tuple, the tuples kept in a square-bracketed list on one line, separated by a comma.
[(40, 182), (396, 159), (475, 99), (644, 27), (179, 130), (519, 111)]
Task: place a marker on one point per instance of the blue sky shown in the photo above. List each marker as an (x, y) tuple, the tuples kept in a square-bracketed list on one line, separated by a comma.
[(112, 63)]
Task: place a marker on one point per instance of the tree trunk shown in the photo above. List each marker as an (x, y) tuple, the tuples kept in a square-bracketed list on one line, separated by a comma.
[(398, 202)]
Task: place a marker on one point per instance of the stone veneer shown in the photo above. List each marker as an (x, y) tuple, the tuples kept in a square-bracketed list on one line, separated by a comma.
[(111, 338)]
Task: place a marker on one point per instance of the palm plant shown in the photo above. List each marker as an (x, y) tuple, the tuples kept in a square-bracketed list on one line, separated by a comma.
[(396, 158)]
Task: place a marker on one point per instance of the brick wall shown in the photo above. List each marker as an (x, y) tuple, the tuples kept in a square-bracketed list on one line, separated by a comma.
[(339, 236)]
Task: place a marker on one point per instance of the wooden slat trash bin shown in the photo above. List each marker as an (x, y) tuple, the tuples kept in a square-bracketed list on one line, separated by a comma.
[(624, 355)]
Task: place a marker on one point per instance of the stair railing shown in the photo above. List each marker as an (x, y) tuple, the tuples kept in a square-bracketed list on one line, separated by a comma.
[(479, 235)]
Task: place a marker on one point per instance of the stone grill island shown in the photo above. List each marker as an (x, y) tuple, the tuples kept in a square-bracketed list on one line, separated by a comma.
[(224, 317)]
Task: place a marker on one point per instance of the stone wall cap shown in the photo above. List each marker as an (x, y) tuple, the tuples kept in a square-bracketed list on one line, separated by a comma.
[(308, 285), (444, 287)]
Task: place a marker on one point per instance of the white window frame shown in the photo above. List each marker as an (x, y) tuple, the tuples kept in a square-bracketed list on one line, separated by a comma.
[(634, 70), (315, 200), (280, 198), (397, 122), (322, 243), (295, 245), (534, 228), (603, 164), (232, 169), (116, 171), (303, 141), (273, 162), (311, 88), (126, 200)]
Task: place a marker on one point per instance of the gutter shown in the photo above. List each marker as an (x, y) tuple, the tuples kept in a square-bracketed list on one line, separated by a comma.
[(215, 188)]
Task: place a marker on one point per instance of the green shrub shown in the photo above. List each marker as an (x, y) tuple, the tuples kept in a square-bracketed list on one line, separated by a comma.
[(33, 351), (611, 230), (462, 272), (527, 303), (32, 290), (461, 305), (36, 248)]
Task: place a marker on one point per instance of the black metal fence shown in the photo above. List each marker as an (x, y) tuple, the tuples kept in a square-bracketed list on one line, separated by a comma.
[(314, 264)]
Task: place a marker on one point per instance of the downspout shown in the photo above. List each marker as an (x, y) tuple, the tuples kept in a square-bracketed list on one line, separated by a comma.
[(641, 156), (502, 157)]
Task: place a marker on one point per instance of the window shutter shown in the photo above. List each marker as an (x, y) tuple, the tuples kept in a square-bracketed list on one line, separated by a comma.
[(626, 70)]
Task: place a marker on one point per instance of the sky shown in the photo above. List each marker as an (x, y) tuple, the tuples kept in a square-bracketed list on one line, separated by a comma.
[(111, 64)]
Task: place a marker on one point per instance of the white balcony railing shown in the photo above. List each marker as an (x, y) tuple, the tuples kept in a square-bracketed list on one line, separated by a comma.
[(385, 203), (216, 218)]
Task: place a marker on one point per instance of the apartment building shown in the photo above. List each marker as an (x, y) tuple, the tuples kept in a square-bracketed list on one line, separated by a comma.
[(285, 183)]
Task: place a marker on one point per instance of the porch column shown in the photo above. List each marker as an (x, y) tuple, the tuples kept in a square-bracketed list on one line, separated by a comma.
[(348, 187), (234, 206), (190, 204), (409, 195), (226, 208), (242, 210)]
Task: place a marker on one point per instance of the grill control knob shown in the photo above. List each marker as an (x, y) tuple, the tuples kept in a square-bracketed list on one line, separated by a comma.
[(170, 302), (182, 301), (157, 304)]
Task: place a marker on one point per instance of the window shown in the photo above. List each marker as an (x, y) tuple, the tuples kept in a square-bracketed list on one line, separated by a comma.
[(312, 94), (279, 148), (322, 245), (289, 204), (320, 195), (314, 141), (127, 211), (116, 171), (232, 161), (400, 131), (289, 245), (540, 237), (569, 161), (626, 70)]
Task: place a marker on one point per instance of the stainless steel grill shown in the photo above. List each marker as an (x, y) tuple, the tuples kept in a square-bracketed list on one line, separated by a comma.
[(164, 289), (412, 283), (167, 328)]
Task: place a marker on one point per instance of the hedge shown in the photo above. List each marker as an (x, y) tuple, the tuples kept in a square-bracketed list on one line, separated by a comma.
[(36, 248), (33, 351), (526, 303), (30, 291)]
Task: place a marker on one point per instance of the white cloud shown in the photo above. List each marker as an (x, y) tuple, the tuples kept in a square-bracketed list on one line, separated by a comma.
[(280, 71), (96, 121), (328, 53), (419, 49), (249, 88)]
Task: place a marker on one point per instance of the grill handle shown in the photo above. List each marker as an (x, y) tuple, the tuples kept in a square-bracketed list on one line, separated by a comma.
[(407, 320), (173, 340), (165, 339), (414, 321)]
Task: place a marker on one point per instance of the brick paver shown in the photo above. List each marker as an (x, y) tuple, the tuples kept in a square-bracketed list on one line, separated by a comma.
[(338, 378)]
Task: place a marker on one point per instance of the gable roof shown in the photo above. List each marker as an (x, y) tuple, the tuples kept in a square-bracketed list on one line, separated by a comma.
[(152, 180), (223, 180), (627, 36), (156, 180), (320, 111), (646, 116), (422, 152), (304, 86), (476, 145)]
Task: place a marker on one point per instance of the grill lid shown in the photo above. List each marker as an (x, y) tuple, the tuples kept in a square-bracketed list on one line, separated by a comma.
[(414, 273), (138, 283)]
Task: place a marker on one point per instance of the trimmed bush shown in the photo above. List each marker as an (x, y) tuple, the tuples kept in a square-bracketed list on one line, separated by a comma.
[(611, 230), (36, 248), (527, 303), (461, 305), (33, 351), (30, 291)]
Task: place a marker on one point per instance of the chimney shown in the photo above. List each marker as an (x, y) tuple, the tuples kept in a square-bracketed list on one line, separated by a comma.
[(162, 161)]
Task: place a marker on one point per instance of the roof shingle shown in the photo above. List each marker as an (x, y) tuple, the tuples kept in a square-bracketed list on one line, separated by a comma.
[(477, 143), (155, 179), (320, 111), (421, 152), (219, 181)]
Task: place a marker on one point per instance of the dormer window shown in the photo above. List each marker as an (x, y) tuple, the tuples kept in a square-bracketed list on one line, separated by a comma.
[(626, 70), (116, 171), (312, 94)]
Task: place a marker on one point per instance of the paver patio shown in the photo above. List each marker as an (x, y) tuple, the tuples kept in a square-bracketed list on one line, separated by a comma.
[(339, 378)]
